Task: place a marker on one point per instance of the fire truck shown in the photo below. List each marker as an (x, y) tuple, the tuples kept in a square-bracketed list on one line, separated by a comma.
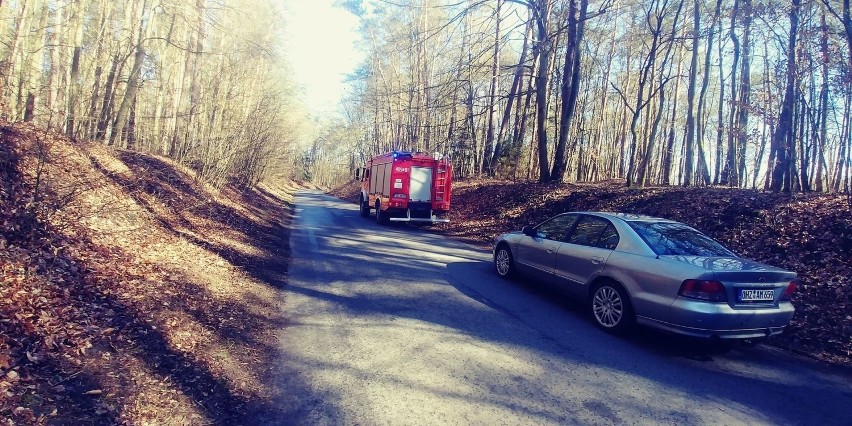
[(406, 187)]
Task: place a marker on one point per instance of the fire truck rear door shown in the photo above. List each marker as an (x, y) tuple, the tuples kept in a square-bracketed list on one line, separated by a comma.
[(420, 188)]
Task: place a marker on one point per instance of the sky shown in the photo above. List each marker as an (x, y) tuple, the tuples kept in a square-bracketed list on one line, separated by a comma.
[(321, 45)]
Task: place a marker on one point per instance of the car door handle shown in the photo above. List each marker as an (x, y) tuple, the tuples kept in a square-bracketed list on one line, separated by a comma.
[(550, 251), (597, 260)]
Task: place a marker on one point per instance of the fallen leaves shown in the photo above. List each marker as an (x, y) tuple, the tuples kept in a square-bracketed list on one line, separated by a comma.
[(5, 361), (114, 301)]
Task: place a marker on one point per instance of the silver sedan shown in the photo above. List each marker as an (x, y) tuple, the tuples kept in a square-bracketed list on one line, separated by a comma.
[(632, 269)]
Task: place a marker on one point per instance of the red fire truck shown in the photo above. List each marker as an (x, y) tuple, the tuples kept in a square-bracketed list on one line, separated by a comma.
[(406, 187)]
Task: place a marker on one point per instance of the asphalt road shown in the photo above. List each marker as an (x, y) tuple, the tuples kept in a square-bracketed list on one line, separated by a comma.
[(395, 325)]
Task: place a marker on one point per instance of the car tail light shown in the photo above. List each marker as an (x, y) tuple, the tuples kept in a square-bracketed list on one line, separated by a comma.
[(788, 292), (711, 291)]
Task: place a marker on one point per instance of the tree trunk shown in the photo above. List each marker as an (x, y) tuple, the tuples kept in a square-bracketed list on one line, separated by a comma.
[(690, 97), (823, 106), (729, 171), (133, 81), (34, 65), (642, 172), (720, 116), (130, 133), (783, 133), (570, 83), (844, 145), (705, 80), (668, 154), (521, 124), (73, 88), (71, 118), (7, 67), (744, 104), (55, 73), (802, 131), (541, 84), (427, 83), (492, 147), (513, 94), (108, 100)]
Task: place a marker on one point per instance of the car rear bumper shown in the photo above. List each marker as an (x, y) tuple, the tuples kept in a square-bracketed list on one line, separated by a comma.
[(720, 320)]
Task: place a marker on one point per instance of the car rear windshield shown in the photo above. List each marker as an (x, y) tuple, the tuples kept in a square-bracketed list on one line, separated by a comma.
[(678, 240)]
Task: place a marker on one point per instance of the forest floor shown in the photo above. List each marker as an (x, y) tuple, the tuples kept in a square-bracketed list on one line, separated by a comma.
[(807, 233), (133, 294)]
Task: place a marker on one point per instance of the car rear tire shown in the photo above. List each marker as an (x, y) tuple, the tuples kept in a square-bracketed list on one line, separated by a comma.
[(503, 262), (611, 309), (365, 208)]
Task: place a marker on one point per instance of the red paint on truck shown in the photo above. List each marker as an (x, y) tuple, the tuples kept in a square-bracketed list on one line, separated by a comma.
[(407, 187)]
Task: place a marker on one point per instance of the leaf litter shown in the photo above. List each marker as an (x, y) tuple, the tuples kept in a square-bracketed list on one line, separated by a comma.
[(133, 294)]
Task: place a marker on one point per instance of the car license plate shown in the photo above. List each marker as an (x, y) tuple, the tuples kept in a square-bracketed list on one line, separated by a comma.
[(757, 295)]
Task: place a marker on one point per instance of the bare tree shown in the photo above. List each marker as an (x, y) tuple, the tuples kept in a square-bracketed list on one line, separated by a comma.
[(702, 99), (781, 138), (654, 18), (490, 144), (690, 96), (577, 15)]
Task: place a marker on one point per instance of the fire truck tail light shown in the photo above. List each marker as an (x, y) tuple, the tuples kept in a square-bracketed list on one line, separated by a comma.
[(399, 196)]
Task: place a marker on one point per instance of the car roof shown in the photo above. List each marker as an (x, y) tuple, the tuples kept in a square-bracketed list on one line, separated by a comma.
[(627, 217)]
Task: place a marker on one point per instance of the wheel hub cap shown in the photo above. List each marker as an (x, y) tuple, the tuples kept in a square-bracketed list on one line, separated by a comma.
[(607, 307)]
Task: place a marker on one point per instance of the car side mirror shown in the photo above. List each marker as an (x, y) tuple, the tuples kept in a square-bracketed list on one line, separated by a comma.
[(529, 231)]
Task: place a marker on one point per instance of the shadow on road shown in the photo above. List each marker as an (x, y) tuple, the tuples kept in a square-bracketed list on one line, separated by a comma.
[(354, 252)]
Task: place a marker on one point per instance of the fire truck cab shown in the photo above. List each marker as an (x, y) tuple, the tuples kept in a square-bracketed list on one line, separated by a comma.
[(406, 187)]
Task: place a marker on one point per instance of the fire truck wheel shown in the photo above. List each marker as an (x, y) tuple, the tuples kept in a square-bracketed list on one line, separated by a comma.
[(365, 208), (503, 261), (381, 218)]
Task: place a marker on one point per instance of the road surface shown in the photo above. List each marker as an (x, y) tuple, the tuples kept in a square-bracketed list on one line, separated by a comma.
[(393, 325)]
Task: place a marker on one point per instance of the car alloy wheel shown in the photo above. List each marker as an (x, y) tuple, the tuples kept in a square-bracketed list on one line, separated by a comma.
[(503, 262), (611, 308)]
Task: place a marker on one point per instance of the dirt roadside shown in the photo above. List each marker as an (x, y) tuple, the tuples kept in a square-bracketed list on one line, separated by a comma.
[(133, 294)]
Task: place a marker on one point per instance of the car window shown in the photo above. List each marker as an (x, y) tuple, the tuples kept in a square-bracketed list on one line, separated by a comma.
[(609, 238), (588, 231), (678, 239), (556, 228)]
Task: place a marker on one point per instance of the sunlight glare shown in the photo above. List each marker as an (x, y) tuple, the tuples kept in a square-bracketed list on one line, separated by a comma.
[(321, 47)]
